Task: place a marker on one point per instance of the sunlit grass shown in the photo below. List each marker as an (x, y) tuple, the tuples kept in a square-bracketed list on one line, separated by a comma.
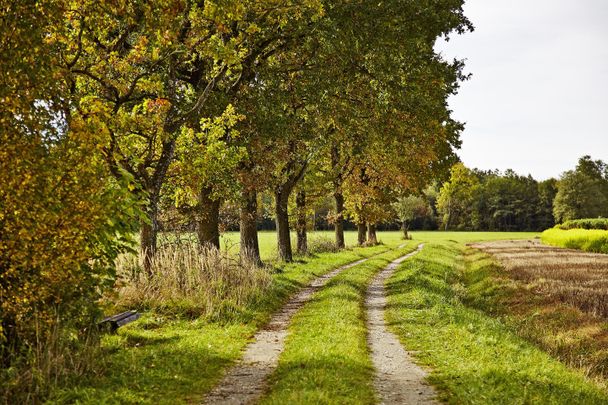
[(267, 239), (475, 358), (164, 360), (553, 297)]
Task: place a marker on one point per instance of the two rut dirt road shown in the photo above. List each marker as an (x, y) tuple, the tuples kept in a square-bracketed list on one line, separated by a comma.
[(398, 380)]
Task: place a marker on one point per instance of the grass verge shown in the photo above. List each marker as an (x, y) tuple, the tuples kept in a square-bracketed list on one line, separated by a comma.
[(326, 358), (166, 361), (589, 240), (475, 358)]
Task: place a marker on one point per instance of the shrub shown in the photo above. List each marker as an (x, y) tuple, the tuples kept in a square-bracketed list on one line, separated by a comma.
[(589, 223), (61, 217)]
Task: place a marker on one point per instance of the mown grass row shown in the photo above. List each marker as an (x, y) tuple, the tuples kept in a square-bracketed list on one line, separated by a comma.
[(589, 240), (326, 358), (475, 357), (164, 360)]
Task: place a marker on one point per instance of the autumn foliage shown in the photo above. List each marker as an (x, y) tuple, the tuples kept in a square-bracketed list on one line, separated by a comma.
[(115, 112)]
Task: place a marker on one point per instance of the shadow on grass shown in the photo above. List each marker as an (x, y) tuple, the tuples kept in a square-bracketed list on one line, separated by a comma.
[(181, 364)]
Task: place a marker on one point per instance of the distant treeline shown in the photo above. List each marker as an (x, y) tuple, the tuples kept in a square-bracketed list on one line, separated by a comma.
[(495, 201)]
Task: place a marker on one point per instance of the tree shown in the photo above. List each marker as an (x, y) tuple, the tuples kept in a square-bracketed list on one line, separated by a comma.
[(456, 197), (547, 191), (409, 208), (579, 196), (583, 192), (155, 71)]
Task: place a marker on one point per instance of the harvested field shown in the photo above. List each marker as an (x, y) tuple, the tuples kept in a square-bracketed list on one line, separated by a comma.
[(573, 277), (555, 297)]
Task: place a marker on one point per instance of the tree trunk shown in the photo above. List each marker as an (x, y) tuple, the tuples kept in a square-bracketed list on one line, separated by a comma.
[(301, 222), (339, 223), (282, 222), (338, 196), (148, 235), (250, 247), (371, 234), (361, 236), (404, 228), (208, 224)]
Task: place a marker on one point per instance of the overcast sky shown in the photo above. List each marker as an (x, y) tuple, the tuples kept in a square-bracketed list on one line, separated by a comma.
[(538, 98)]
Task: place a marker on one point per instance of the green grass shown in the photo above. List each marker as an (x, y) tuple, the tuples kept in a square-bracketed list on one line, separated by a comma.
[(475, 358), (169, 361), (326, 358), (267, 239), (589, 240)]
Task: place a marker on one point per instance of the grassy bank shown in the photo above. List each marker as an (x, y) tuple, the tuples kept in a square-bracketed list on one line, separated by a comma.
[(165, 360), (326, 358), (589, 240), (475, 357)]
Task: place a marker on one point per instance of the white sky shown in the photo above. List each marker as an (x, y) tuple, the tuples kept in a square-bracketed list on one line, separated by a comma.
[(538, 98)]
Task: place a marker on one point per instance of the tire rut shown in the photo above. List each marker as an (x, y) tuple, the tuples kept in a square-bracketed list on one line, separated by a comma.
[(398, 379)]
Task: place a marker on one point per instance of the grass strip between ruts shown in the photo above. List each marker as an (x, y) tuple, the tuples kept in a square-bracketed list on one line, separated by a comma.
[(326, 357), (475, 359)]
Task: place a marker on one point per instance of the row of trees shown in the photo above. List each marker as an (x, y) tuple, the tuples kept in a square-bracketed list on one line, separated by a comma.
[(492, 201), (113, 111)]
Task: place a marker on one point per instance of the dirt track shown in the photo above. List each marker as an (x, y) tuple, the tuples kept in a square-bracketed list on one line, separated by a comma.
[(245, 382), (398, 380)]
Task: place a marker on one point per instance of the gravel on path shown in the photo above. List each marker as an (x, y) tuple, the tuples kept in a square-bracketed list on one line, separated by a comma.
[(398, 379)]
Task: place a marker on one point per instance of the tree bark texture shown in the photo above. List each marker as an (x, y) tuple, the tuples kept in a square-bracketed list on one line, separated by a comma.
[(148, 235), (361, 233), (371, 234), (281, 195), (301, 222), (250, 247), (282, 222), (208, 221), (338, 197), (339, 224), (404, 228)]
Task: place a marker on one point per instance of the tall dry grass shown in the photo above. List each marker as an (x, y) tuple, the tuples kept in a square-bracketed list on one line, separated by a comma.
[(187, 279)]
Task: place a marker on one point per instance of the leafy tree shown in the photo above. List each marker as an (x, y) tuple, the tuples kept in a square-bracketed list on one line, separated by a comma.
[(583, 192), (456, 198), (409, 208), (579, 196), (547, 191)]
